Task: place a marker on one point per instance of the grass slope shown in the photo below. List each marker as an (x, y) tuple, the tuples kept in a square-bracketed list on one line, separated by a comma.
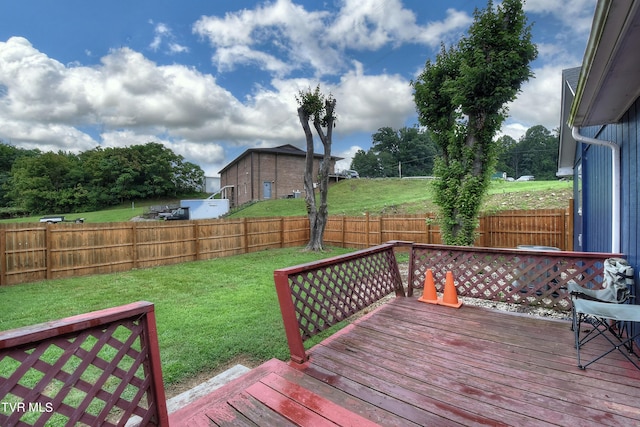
[(414, 196)]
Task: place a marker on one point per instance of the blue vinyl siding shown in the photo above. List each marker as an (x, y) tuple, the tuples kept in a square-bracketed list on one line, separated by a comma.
[(596, 188), (630, 165), (596, 198)]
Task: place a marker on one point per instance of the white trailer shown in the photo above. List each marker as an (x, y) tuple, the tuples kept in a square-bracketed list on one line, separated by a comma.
[(200, 209)]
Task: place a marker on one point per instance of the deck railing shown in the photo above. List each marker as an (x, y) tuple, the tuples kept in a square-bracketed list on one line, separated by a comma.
[(317, 295), (521, 276), (99, 368)]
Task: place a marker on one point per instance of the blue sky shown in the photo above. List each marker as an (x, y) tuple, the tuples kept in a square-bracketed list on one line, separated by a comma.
[(210, 79)]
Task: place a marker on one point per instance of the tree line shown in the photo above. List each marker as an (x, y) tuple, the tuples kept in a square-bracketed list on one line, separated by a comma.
[(33, 182), (411, 151), (535, 153)]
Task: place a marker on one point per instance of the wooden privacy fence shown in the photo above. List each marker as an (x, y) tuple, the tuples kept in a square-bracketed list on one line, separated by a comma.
[(508, 229), (34, 252)]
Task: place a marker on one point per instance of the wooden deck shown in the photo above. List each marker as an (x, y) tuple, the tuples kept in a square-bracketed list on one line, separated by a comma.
[(409, 363)]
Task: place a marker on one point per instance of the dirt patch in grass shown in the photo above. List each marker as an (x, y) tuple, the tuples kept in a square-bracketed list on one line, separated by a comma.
[(525, 200), (494, 203)]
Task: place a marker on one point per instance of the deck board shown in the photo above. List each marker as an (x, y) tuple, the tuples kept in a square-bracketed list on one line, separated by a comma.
[(409, 363)]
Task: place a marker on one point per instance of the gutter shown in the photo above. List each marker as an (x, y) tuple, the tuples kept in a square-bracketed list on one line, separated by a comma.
[(615, 183), (603, 9)]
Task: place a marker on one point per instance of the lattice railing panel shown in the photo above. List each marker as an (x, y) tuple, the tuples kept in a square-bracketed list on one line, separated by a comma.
[(327, 295), (315, 296), (514, 276), (97, 375)]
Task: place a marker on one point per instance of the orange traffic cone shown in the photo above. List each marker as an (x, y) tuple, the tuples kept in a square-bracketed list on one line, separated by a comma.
[(450, 295), (429, 294)]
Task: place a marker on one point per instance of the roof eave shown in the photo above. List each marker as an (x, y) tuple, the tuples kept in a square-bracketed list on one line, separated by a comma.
[(609, 80)]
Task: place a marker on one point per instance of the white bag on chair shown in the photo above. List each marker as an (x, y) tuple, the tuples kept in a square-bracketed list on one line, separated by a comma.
[(618, 276)]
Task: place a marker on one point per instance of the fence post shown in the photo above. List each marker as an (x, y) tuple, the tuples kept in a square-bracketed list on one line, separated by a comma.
[(569, 226), (134, 244), (246, 235), (483, 230), (3, 257), (48, 250), (196, 238), (282, 232), (366, 230), (343, 226)]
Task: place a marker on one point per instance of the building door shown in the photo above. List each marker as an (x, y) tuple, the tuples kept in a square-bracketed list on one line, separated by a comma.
[(266, 189)]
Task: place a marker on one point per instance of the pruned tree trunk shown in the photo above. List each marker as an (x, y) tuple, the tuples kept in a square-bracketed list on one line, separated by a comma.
[(317, 213), (314, 244)]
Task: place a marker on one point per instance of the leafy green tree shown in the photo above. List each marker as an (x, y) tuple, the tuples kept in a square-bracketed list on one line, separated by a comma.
[(155, 174), (320, 110), (187, 177), (45, 183), (101, 170), (409, 151), (535, 153), (506, 145), (461, 99), (64, 182), (367, 164), (8, 155), (417, 152)]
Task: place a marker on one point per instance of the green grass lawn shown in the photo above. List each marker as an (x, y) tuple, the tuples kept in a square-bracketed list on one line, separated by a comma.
[(207, 312), (117, 214)]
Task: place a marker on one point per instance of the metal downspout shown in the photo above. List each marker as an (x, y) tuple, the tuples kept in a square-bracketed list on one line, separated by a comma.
[(615, 183)]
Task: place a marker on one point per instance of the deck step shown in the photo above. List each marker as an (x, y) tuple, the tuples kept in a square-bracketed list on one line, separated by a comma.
[(274, 393), (199, 391), (190, 396)]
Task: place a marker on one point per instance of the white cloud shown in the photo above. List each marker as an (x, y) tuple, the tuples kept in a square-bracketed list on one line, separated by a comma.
[(44, 101), (539, 102), (177, 48), (577, 15), (369, 102), (371, 24), (514, 130), (47, 137), (455, 23), (281, 27), (226, 59), (164, 34), (347, 156), (263, 35)]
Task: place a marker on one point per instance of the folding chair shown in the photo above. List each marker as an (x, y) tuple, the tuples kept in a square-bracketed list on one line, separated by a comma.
[(606, 311), (599, 315)]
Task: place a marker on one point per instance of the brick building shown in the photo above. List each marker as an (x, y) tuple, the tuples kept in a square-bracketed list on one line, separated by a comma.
[(267, 173)]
